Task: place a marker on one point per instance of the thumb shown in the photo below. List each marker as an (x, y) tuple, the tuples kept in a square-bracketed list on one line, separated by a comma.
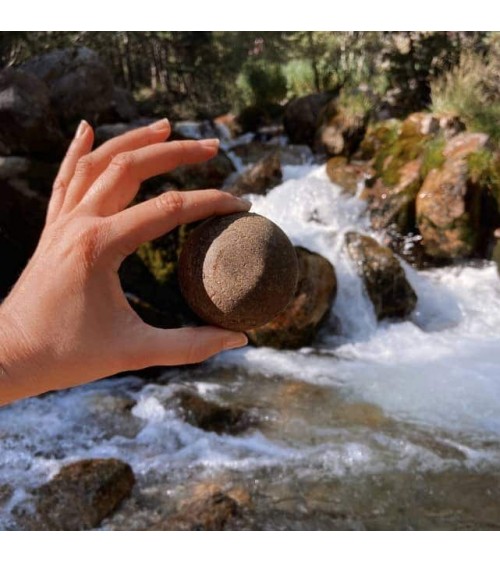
[(171, 347)]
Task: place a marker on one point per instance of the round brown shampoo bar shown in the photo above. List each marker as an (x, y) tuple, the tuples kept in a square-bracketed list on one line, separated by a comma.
[(238, 271)]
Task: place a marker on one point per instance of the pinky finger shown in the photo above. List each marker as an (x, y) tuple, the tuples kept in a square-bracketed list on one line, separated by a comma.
[(80, 146)]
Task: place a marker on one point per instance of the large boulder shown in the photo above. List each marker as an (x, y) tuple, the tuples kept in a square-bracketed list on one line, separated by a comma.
[(25, 172), (384, 278), (299, 323), (80, 496), (80, 84), (449, 203), (341, 129), (29, 125), (350, 176), (301, 118), (122, 108), (259, 178)]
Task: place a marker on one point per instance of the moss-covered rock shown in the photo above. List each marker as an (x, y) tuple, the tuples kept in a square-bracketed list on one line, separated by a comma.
[(299, 323), (384, 278), (450, 204)]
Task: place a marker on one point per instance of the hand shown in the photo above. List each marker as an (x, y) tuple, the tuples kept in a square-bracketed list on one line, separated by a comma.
[(67, 321)]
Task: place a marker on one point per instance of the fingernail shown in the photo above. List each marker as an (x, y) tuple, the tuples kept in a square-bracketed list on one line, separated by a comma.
[(161, 125), (81, 129), (244, 203), (236, 340), (210, 143)]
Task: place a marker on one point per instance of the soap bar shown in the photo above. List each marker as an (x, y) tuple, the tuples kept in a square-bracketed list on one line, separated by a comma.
[(238, 271)]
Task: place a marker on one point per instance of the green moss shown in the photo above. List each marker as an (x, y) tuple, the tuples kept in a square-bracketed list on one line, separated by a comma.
[(392, 157), (433, 156), (379, 135)]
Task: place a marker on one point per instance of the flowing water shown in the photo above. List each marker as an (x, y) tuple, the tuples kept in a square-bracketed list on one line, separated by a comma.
[(391, 425)]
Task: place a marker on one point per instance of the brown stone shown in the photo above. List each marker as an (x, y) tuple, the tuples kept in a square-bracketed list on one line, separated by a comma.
[(238, 271), (448, 205), (384, 278), (80, 496), (260, 178), (298, 324), (348, 175)]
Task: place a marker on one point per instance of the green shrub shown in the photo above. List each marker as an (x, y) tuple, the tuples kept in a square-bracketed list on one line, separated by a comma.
[(261, 82), (470, 90)]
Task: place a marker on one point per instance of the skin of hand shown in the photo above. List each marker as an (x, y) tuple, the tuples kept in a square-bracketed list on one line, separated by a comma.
[(66, 321)]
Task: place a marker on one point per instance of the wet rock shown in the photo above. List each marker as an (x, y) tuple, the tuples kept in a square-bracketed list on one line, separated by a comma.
[(238, 271), (301, 118), (29, 125), (260, 178), (299, 323), (111, 411), (252, 152), (81, 495), (212, 417), (6, 492), (80, 85), (349, 175), (22, 216), (384, 278), (210, 509), (448, 205)]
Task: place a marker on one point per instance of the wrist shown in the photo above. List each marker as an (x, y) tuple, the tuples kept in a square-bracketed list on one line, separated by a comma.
[(16, 362)]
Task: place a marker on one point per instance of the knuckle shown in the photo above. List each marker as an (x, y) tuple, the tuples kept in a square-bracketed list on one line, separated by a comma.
[(123, 162), (91, 241), (59, 186), (84, 166), (170, 203)]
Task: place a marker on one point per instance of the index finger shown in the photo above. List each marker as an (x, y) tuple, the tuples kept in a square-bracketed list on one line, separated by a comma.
[(155, 217)]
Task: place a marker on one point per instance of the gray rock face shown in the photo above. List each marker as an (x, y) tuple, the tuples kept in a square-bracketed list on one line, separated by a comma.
[(28, 124), (238, 271), (80, 84)]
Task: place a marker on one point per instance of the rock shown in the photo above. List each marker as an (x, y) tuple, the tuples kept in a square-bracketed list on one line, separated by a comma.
[(260, 178), (341, 129), (29, 125), (448, 205), (253, 118), (377, 136), (22, 216), (209, 174), (6, 492), (254, 151), (299, 323), (238, 271), (107, 131), (384, 278), (80, 496), (210, 510), (212, 417), (301, 118), (394, 205), (349, 175), (80, 85), (28, 173), (122, 107)]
